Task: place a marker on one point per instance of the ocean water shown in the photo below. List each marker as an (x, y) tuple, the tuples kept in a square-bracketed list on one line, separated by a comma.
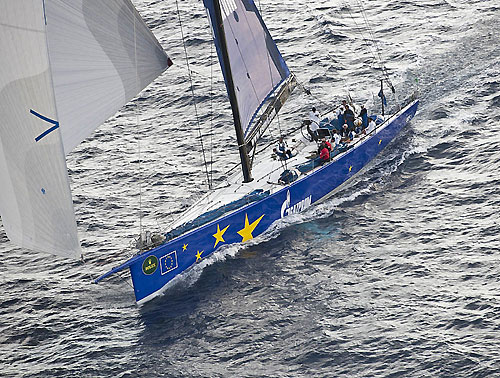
[(396, 276)]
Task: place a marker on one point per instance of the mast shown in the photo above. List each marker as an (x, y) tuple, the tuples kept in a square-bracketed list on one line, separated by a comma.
[(382, 95), (245, 161)]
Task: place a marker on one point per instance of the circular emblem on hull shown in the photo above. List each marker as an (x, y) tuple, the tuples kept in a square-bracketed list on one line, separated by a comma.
[(150, 265)]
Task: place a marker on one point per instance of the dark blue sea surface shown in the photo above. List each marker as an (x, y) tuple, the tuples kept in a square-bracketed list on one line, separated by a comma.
[(396, 276)]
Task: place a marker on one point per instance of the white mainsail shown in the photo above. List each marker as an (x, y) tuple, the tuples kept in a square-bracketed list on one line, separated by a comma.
[(256, 64), (57, 84)]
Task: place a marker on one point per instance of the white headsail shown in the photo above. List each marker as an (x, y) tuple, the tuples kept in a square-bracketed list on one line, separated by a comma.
[(94, 46), (57, 84), (35, 199)]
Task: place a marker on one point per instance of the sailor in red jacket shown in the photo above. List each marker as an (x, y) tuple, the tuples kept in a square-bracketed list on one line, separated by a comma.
[(324, 155), (328, 144)]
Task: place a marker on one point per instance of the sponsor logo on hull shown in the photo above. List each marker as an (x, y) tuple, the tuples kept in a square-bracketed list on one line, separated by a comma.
[(150, 265), (300, 206)]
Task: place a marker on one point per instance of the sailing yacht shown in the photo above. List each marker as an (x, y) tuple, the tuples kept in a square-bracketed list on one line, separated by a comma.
[(56, 111), (267, 188)]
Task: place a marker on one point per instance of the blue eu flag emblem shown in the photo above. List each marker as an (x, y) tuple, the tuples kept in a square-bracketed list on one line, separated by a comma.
[(168, 262)]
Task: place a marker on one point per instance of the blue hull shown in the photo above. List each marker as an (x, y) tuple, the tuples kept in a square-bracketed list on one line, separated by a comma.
[(153, 270)]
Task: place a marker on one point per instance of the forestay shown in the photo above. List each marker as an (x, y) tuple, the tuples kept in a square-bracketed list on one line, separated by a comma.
[(256, 64), (93, 48), (67, 66)]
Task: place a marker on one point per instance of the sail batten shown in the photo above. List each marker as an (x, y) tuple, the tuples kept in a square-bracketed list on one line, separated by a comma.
[(256, 64)]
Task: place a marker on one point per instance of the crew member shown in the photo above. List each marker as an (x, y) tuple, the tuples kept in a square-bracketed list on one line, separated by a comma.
[(364, 117), (340, 117), (344, 105), (336, 138), (328, 144), (314, 116), (314, 126), (282, 149), (324, 155), (344, 134), (371, 125), (349, 116)]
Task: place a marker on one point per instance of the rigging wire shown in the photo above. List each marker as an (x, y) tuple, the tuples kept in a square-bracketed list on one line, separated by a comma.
[(193, 97), (372, 36), (211, 104), (308, 92), (317, 99), (271, 79), (371, 44), (376, 44), (374, 50), (359, 29), (138, 133), (371, 41), (385, 72)]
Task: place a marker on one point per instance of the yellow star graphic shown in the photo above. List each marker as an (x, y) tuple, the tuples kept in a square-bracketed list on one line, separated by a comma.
[(246, 232), (184, 247), (218, 235), (198, 255), (350, 168), (380, 141)]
